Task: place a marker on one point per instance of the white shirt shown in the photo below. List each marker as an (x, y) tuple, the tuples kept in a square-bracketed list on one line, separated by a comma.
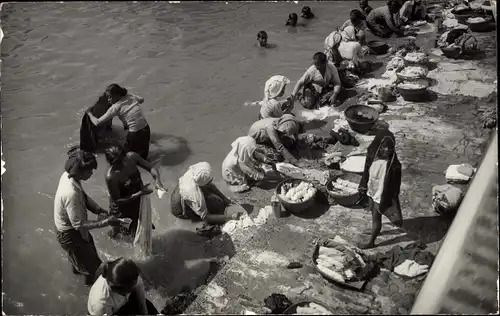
[(129, 112), (103, 301), (376, 180), (70, 209)]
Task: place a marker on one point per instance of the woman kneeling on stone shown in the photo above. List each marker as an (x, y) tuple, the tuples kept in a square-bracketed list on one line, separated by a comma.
[(119, 290), (240, 168), (195, 197), (320, 85), (381, 182)]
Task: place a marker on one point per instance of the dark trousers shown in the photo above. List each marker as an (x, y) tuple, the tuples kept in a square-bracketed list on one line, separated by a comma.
[(138, 142), (132, 307), (82, 254)]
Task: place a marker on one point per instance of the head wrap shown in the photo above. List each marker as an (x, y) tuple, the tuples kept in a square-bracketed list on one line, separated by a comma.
[(333, 40), (240, 162), (288, 125), (79, 160), (198, 175), (274, 86), (349, 34)]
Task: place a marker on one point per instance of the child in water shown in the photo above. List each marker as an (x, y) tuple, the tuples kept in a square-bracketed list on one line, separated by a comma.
[(262, 40), (292, 20), (307, 13)]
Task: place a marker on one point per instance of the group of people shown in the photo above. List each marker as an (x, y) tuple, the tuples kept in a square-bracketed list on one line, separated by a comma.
[(117, 287)]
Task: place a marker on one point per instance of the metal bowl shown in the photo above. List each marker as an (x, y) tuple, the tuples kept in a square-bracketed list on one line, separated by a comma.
[(378, 47), (414, 95), (344, 200), (292, 309), (358, 124), (292, 207)]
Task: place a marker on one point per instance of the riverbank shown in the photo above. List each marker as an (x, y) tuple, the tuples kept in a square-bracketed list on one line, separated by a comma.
[(429, 137)]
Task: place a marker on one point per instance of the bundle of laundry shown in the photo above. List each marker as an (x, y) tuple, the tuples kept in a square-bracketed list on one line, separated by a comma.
[(446, 198), (459, 174), (343, 263), (411, 269), (395, 257), (344, 137), (489, 118), (395, 64)]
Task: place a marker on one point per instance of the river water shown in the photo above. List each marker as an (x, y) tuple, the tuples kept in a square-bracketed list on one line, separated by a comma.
[(194, 63)]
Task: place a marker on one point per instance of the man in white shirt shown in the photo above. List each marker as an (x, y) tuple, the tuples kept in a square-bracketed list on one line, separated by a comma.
[(70, 215)]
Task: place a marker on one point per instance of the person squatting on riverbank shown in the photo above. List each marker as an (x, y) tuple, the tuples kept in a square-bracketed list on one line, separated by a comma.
[(70, 215), (195, 197), (240, 169), (358, 21), (280, 133), (411, 11), (271, 105), (381, 182), (320, 84), (125, 186), (126, 107), (381, 22), (119, 290)]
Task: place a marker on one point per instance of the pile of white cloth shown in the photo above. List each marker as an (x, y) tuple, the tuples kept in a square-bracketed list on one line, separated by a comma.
[(459, 173), (411, 269)]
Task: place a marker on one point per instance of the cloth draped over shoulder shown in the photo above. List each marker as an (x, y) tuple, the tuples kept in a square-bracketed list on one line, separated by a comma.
[(240, 164), (197, 176), (392, 182)]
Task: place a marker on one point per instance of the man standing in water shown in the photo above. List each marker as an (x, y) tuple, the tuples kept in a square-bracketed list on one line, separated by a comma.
[(70, 215)]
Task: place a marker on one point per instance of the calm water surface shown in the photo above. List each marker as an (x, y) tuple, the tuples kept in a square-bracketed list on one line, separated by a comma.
[(194, 63)]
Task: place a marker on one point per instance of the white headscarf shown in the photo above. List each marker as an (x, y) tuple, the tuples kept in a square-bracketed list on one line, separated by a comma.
[(198, 175), (274, 86), (241, 155), (333, 40), (349, 34)]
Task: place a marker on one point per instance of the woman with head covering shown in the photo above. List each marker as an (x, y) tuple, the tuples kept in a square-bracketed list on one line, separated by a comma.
[(332, 43), (271, 106), (127, 107), (412, 10), (125, 185), (381, 182), (358, 21), (239, 166), (279, 133), (119, 290), (71, 218), (381, 22), (195, 197), (352, 51), (320, 84)]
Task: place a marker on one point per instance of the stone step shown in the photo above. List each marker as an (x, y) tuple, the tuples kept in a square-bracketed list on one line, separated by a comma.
[(456, 303)]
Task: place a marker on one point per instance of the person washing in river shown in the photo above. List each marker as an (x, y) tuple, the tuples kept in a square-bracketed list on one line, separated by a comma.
[(381, 182), (271, 105), (320, 85), (71, 218), (196, 197), (240, 169), (281, 133), (127, 107), (381, 21), (119, 290), (125, 185)]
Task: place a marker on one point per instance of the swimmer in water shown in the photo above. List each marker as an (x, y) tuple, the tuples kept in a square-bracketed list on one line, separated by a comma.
[(292, 19), (262, 39), (307, 13)]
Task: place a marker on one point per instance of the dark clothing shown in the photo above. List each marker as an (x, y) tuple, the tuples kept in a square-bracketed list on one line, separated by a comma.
[(397, 255), (366, 9), (129, 209), (81, 253), (138, 142), (392, 182), (215, 204), (132, 307), (312, 99), (393, 213), (89, 133)]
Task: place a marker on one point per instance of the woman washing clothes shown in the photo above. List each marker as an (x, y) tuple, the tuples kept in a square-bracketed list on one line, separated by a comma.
[(125, 185), (119, 290), (71, 217), (350, 49), (365, 8), (381, 22), (332, 43), (195, 197), (381, 182), (459, 39), (127, 107), (281, 133), (240, 168), (358, 21), (271, 106), (411, 11), (320, 84)]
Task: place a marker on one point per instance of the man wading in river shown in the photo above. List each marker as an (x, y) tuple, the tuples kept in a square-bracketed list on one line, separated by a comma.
[(70, 215)]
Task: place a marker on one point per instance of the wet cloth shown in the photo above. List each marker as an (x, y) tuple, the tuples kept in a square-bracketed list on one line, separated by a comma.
[(130, 209), (82, 253), (392, 182), (190, 184), (88, 134), (380, 22), (446, 198), (397, 255), (411, 269), (143, 243), (239, 164), (103, 301)]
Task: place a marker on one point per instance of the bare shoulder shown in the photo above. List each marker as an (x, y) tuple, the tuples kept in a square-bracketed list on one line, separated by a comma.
[(132, 157)]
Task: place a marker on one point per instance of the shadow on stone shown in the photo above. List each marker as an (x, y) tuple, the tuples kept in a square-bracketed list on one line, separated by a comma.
[(168, 150), (424, 229)]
